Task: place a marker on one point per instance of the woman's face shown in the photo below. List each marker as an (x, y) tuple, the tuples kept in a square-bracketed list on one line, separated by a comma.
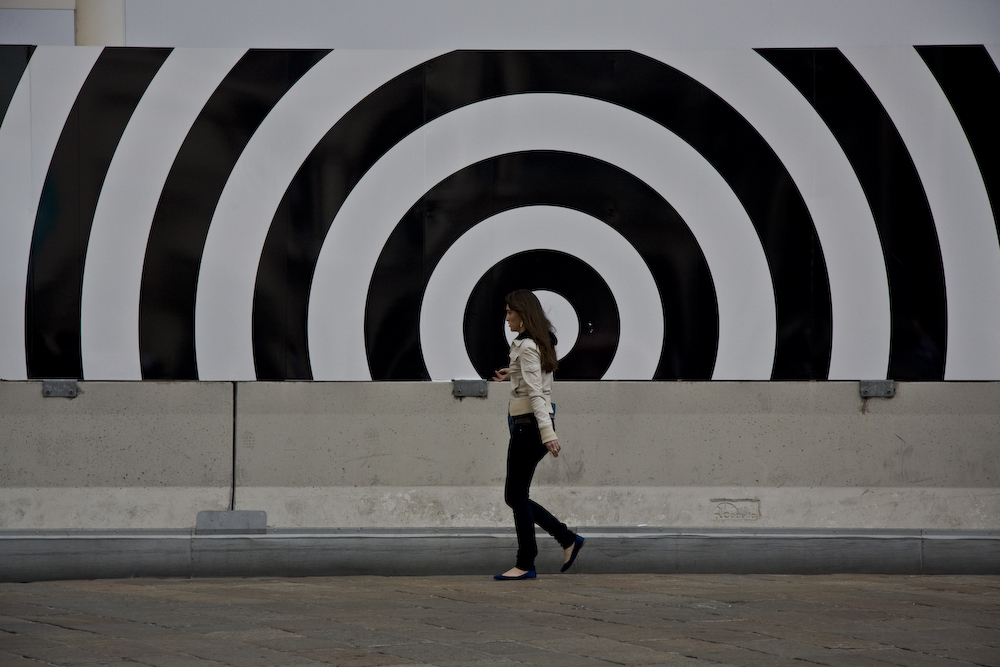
[(513, 320)]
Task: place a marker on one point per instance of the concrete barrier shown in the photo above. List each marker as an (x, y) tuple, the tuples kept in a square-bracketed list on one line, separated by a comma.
[(404, 478), (410, 455), (713, 454), (120, 455)]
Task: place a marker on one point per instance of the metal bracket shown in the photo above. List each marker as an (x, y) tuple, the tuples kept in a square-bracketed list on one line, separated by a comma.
[(63, 388), (465, 388), (877, 388)]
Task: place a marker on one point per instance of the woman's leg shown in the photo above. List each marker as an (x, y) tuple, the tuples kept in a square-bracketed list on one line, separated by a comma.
[(551, 525), (523, 454)]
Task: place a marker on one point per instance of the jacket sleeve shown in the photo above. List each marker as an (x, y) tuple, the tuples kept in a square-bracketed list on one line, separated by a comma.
[(531, 373)]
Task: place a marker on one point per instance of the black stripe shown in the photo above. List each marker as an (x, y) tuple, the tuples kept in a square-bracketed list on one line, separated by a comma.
[(68, 201), (568, 276), (13, 62), (885, 169), (307, 209), (971, 82), (188, 200), (679, 103), (586, 184)]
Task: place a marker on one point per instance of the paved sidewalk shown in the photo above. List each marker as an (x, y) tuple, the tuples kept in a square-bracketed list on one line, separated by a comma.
[(571, 620)]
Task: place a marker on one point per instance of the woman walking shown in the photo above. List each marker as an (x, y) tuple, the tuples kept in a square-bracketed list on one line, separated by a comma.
[(532, 430)]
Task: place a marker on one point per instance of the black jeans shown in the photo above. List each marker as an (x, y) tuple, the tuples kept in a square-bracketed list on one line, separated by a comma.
[(523, 454)]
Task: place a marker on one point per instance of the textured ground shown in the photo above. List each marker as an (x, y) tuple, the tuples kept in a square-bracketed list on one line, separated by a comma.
[(573, 620)]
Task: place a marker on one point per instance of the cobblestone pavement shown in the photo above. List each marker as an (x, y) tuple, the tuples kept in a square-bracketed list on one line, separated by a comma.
[(572, 620)]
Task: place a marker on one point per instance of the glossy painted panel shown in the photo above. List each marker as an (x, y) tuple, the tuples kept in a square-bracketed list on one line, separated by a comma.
[(310, 203), (430, 130), (557, 272), (971, 81), (641, 84), (188, 201), (13, 62), (67, 204), (887, 174), (585, 184)]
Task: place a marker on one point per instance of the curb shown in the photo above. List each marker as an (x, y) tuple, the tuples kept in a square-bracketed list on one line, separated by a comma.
[(50, 555)]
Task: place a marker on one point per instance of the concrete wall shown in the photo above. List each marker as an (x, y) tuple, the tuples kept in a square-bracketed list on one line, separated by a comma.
[(120, 455), (754, 455)]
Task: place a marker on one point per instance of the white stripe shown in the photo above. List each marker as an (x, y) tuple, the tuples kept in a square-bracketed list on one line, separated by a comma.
[(859, 288), (31, 128), (224, 305), (994, 51), (558, 24), (442, 313), (109, 322), (958, 200), (16, 218), (543, 122)]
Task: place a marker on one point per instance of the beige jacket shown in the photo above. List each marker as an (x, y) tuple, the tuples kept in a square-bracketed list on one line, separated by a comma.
[(530, 388)]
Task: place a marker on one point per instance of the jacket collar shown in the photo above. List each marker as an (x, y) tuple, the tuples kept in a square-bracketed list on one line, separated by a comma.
[(524, 335)]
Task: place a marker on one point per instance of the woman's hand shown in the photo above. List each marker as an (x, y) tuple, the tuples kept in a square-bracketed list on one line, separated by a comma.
[(501, 374), (553, 446)]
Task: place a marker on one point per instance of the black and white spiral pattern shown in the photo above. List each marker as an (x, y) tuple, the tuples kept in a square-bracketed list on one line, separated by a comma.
[(221, 214)]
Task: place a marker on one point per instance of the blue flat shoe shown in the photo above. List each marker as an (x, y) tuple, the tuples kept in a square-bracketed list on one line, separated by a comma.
[(530, 574), (577, 545)]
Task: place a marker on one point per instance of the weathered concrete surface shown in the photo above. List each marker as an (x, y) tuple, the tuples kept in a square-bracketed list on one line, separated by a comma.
[(61, 508), (679, 620), (483, 506), (305, 434), (626, 434), (409, 454), (231, 522), (792, 454), (120, 455)]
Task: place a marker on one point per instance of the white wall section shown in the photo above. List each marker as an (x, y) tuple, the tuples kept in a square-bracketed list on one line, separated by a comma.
[(994, 51), (557, 24), (50, 27)]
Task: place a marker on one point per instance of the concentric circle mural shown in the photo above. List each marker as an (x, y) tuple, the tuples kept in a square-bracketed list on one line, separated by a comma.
[(347, 215)]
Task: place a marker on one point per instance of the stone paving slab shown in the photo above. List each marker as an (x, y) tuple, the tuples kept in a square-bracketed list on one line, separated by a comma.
[(572, 620)]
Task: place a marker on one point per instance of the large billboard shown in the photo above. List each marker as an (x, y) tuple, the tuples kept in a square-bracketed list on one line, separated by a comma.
[(316, 214)]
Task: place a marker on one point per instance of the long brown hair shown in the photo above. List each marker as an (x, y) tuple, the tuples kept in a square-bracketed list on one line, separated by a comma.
[(526, 304)]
